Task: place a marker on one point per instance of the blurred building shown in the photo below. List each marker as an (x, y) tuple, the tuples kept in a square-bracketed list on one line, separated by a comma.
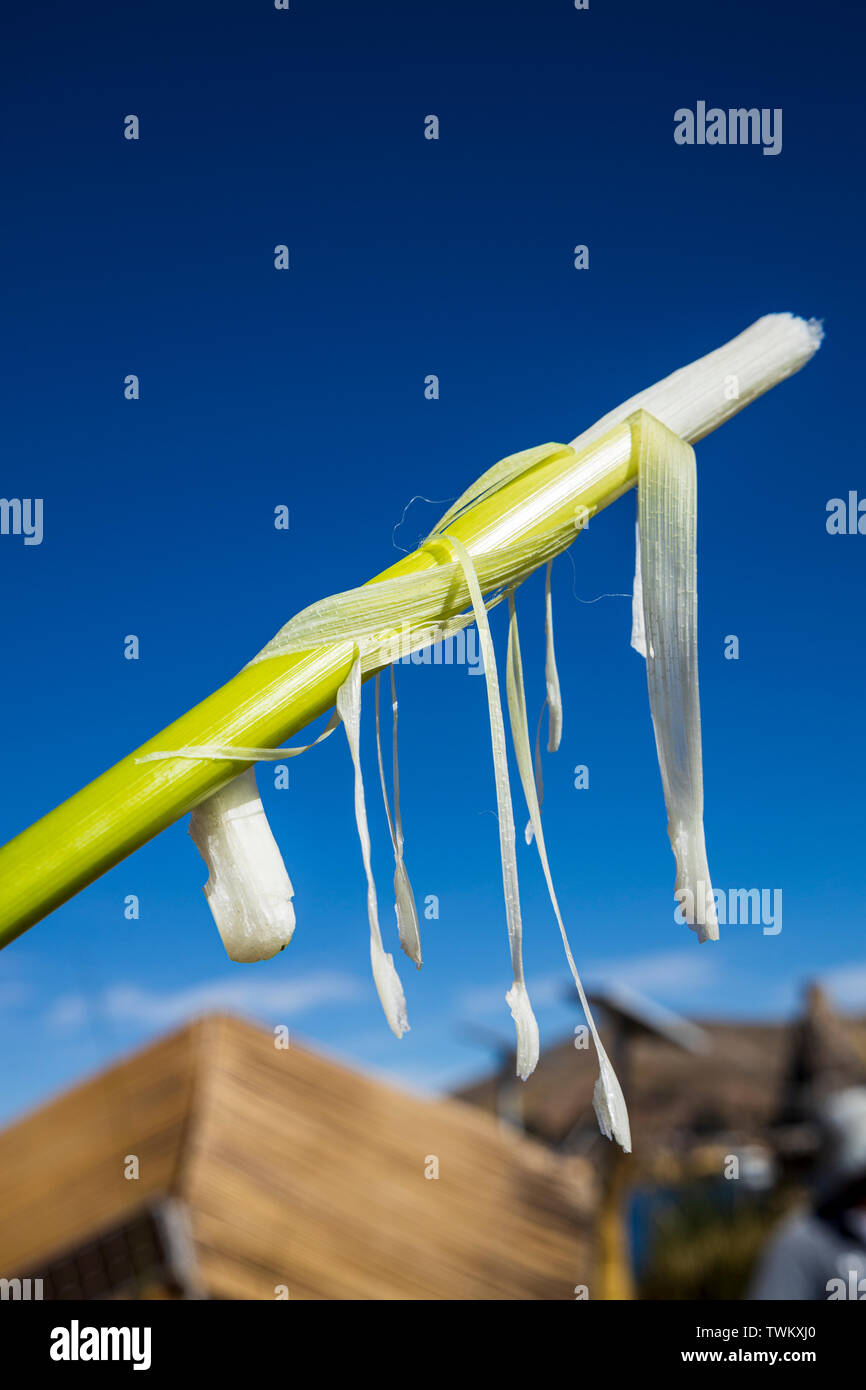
[(742, 1084), (215, 1164), (824, 1053), (723, 1120)]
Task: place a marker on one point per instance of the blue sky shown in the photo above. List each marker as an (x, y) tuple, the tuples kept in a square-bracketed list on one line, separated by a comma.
[(306, 388)]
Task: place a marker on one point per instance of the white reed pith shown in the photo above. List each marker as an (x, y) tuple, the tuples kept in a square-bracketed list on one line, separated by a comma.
[(698, 398)]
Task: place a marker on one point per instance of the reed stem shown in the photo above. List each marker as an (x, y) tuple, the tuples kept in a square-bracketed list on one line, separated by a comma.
[(272, 700)]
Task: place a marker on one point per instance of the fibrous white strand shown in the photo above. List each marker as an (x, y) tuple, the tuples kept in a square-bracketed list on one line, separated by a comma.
[(385, 975), (667, 511), (404, 898), (517, 997), (608, 1101)]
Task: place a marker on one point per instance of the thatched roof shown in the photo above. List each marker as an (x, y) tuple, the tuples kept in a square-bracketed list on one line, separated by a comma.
[(677, 1098), (293, 1171), (825, 1054)]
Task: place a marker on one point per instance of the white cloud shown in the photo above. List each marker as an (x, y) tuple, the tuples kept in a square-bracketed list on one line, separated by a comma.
[(666, 975), (123, 1003), (846, 985), (68, 1012)]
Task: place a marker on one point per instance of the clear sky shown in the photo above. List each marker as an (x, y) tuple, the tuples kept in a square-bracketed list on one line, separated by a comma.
[(306, 388)]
